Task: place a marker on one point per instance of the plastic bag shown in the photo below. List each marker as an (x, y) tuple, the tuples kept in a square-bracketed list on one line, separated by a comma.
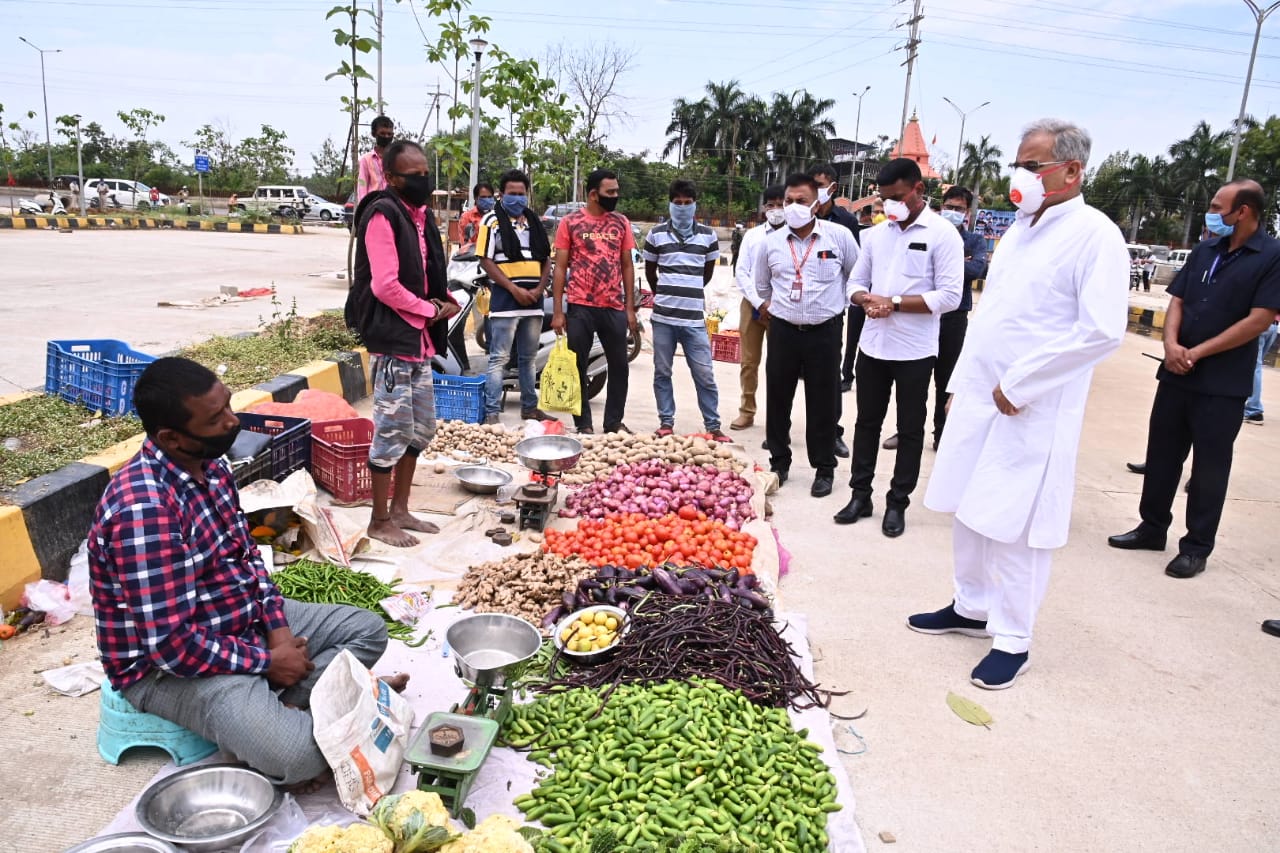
[(51, 597), (559, 389), (78, 581), (278, 834), (362, 728)]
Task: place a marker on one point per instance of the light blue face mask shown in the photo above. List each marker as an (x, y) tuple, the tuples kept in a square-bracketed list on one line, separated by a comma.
[(515, 204), (485, 204), (682, 216), (1218, 228), (955, 217)]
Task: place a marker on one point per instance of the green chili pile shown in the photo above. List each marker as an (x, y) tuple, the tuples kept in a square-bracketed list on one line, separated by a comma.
[(325, 583)]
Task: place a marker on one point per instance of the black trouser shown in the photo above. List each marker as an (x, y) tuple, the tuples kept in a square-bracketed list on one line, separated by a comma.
[(950, 340), (852, 332), (584, 324), (876, 381), (811, 353), (1180, 421)]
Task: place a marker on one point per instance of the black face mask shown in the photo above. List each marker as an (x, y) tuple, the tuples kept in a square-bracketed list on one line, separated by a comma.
[(417, 188), (608, 202), (212, 446), (382, 141)]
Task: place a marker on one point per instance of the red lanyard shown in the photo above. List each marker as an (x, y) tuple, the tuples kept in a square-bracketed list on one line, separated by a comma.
[(799, 262)]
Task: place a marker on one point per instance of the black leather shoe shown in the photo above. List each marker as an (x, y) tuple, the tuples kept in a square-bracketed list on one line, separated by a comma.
[(1272, 627), (821, 485), (1137, 539), (891, 443), (782, 476), (846, 386), (895, 522), (1137, 467), (1184, 566), (842, 449), (855, 509)]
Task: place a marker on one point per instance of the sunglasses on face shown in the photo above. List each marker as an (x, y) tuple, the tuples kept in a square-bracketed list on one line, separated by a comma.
[(1035, 165)]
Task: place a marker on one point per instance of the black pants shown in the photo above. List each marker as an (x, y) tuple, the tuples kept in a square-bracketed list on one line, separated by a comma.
[(584, 324), (1180, 421), (877, 379), (950, 340), (852, 332), (812, 354)]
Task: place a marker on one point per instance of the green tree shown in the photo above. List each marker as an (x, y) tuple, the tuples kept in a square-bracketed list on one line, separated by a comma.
[(1198, 164), (352, 71), (1260, 159), (981, 164), (140, 121), (798, 128), (1141, 185)]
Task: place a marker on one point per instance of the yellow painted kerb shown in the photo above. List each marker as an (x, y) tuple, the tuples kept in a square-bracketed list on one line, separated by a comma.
[(242, 401), (364, 366), (18, 563), (115, 456), (321, 375), (17, 396)]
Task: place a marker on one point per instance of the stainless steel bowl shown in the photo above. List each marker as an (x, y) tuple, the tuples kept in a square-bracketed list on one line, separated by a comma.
[(209, 807), (601, 654), (491, 645), (549, 454), (125, 842), (482, 479)]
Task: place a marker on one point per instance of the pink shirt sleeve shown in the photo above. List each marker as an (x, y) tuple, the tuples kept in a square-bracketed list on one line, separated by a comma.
[(384, 264)]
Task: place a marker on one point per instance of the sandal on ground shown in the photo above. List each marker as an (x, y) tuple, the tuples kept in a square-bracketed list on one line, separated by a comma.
[(664, 431)]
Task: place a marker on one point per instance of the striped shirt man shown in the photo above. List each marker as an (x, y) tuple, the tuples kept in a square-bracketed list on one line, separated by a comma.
[(678, 296), (526, 273)]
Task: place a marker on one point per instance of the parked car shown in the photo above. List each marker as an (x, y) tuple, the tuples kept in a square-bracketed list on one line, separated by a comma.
[(1177, 259), (556, 212), (130, 195), (278, 199), (349, 209), (323, 209)]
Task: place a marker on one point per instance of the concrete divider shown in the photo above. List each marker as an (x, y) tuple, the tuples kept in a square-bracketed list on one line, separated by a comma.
[(131, 223), (44, 520)]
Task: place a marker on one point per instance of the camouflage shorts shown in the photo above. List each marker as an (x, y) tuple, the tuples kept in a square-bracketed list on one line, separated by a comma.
[(404, 409)]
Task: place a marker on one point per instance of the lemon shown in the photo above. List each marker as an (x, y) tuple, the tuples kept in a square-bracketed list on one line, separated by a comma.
[(566, 634), (601, 617), (611, 623)]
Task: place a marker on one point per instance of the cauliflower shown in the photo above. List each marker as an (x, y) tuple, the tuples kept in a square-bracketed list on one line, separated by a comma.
[(357, 838), (496, 834), (427, 802)]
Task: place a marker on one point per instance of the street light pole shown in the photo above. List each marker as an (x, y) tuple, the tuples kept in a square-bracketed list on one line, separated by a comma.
[(79, 171), (857, 128), (44, 90), (963, 116), (1259, 15), (477, 46)]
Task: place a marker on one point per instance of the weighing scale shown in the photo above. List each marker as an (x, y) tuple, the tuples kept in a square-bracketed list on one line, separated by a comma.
[(548, 457), (489, 649)]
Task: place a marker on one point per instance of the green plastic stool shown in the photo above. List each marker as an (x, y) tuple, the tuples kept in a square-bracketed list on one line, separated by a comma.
[(122, 727)]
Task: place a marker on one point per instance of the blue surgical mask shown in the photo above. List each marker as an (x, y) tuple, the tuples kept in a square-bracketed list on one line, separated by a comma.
[(1218, 228), (485, 204), (515, 204), (955, 217), (682, 216)]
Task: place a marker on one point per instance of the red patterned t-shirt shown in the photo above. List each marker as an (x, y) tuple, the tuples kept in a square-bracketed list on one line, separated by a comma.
[(596, 246)]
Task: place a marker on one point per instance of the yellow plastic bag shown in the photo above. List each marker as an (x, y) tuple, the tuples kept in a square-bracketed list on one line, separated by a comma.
[(559, 389), (482, 301)]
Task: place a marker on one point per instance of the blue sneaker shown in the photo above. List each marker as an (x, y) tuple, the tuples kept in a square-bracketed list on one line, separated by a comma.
[(999, 669), (947, 621)]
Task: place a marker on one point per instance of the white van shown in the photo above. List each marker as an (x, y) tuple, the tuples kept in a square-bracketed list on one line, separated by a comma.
[(1177, 259), (130, 195), (278, 199)]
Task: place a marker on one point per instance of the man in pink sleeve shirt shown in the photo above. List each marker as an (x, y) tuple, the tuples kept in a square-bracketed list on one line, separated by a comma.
[(398, 299), (371, 177)]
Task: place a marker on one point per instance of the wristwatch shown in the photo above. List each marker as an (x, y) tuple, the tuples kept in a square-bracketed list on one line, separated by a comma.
[(897, 303)]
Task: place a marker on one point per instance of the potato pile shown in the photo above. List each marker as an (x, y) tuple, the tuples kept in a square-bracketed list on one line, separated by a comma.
[(470, 442), (524, 585), (602, 453)]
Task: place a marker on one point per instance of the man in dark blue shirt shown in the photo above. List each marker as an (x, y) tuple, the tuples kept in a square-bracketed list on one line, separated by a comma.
[(1222, 299)]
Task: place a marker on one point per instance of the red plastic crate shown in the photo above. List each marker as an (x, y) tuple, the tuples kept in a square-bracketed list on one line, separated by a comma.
[(340, 458), (726, 348)]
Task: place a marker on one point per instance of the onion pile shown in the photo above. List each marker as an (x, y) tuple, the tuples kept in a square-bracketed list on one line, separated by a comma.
[(655, 488)]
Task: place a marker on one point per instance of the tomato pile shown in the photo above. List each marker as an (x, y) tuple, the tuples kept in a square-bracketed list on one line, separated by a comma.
[(633, 540)]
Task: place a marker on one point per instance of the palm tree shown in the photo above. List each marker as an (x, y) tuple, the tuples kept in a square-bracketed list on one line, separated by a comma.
[(1199, 161), (798, 128), (981, 164), (1140, 185), (685, 115)]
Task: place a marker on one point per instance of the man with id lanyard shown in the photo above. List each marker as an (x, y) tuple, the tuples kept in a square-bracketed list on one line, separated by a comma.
[(801, 276), (910, 273)]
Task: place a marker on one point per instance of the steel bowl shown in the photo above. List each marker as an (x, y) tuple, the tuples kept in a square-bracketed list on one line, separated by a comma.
[(125, 842), (549, 454), (482, 479), (208, 807), (490, 646), (600, 654)]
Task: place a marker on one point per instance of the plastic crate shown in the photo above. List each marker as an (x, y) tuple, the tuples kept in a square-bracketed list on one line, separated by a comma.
[(459, 398), (340, 458), (257, 468), (290, 440), (97, 374), (726, 348)]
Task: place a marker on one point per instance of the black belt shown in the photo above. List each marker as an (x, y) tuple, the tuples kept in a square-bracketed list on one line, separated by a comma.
[(809, 327)]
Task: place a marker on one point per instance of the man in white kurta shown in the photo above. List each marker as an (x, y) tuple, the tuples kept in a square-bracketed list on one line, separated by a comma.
[(1054, 305)]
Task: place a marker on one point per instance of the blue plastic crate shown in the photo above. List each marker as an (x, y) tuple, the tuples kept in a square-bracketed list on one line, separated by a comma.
[(459, 398), (98, 374), (290, 440)]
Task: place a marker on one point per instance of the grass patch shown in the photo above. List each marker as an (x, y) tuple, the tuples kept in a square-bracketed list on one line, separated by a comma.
[(281, 346), (41, 434)]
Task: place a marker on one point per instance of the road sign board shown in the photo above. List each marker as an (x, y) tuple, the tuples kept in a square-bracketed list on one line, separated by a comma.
[(202, 163)]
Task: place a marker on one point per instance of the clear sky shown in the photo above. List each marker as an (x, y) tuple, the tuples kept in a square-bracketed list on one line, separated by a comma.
[(1137, 80)]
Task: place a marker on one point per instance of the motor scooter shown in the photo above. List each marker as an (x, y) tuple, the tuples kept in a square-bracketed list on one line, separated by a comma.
[(30, 207)]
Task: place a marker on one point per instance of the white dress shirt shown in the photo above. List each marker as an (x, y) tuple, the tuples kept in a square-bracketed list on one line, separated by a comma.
[(744, 275), (924, 259), (824, 274)]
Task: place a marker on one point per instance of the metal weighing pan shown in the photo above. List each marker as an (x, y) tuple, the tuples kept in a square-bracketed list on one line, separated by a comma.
[(488, 647), (549, 454)]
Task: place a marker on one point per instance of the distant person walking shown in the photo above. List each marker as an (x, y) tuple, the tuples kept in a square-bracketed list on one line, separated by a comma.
[(155, 197), (372, 174), (103, 191), (483, 202), (1253, 406)]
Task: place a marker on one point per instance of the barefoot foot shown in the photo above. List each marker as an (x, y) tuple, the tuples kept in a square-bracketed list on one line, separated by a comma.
[(405, 521), (386, 530), (397, 682)]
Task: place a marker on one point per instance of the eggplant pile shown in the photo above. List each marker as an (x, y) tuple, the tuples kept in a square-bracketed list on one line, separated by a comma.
[(623, 587)]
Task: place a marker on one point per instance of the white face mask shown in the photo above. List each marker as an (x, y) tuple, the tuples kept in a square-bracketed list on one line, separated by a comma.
[(798, 215), (955, 217), (824, 195), (1026, 190), (897, 211), (775, 216)]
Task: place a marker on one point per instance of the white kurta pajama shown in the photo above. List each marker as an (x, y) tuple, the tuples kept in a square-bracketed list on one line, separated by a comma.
[(1054, 305)]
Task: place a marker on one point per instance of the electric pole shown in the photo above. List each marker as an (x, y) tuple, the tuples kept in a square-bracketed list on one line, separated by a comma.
[(913, 41), (379, 16)]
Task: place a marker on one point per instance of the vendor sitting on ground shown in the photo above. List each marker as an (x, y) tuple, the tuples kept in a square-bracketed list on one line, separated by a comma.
[(189, 625)]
